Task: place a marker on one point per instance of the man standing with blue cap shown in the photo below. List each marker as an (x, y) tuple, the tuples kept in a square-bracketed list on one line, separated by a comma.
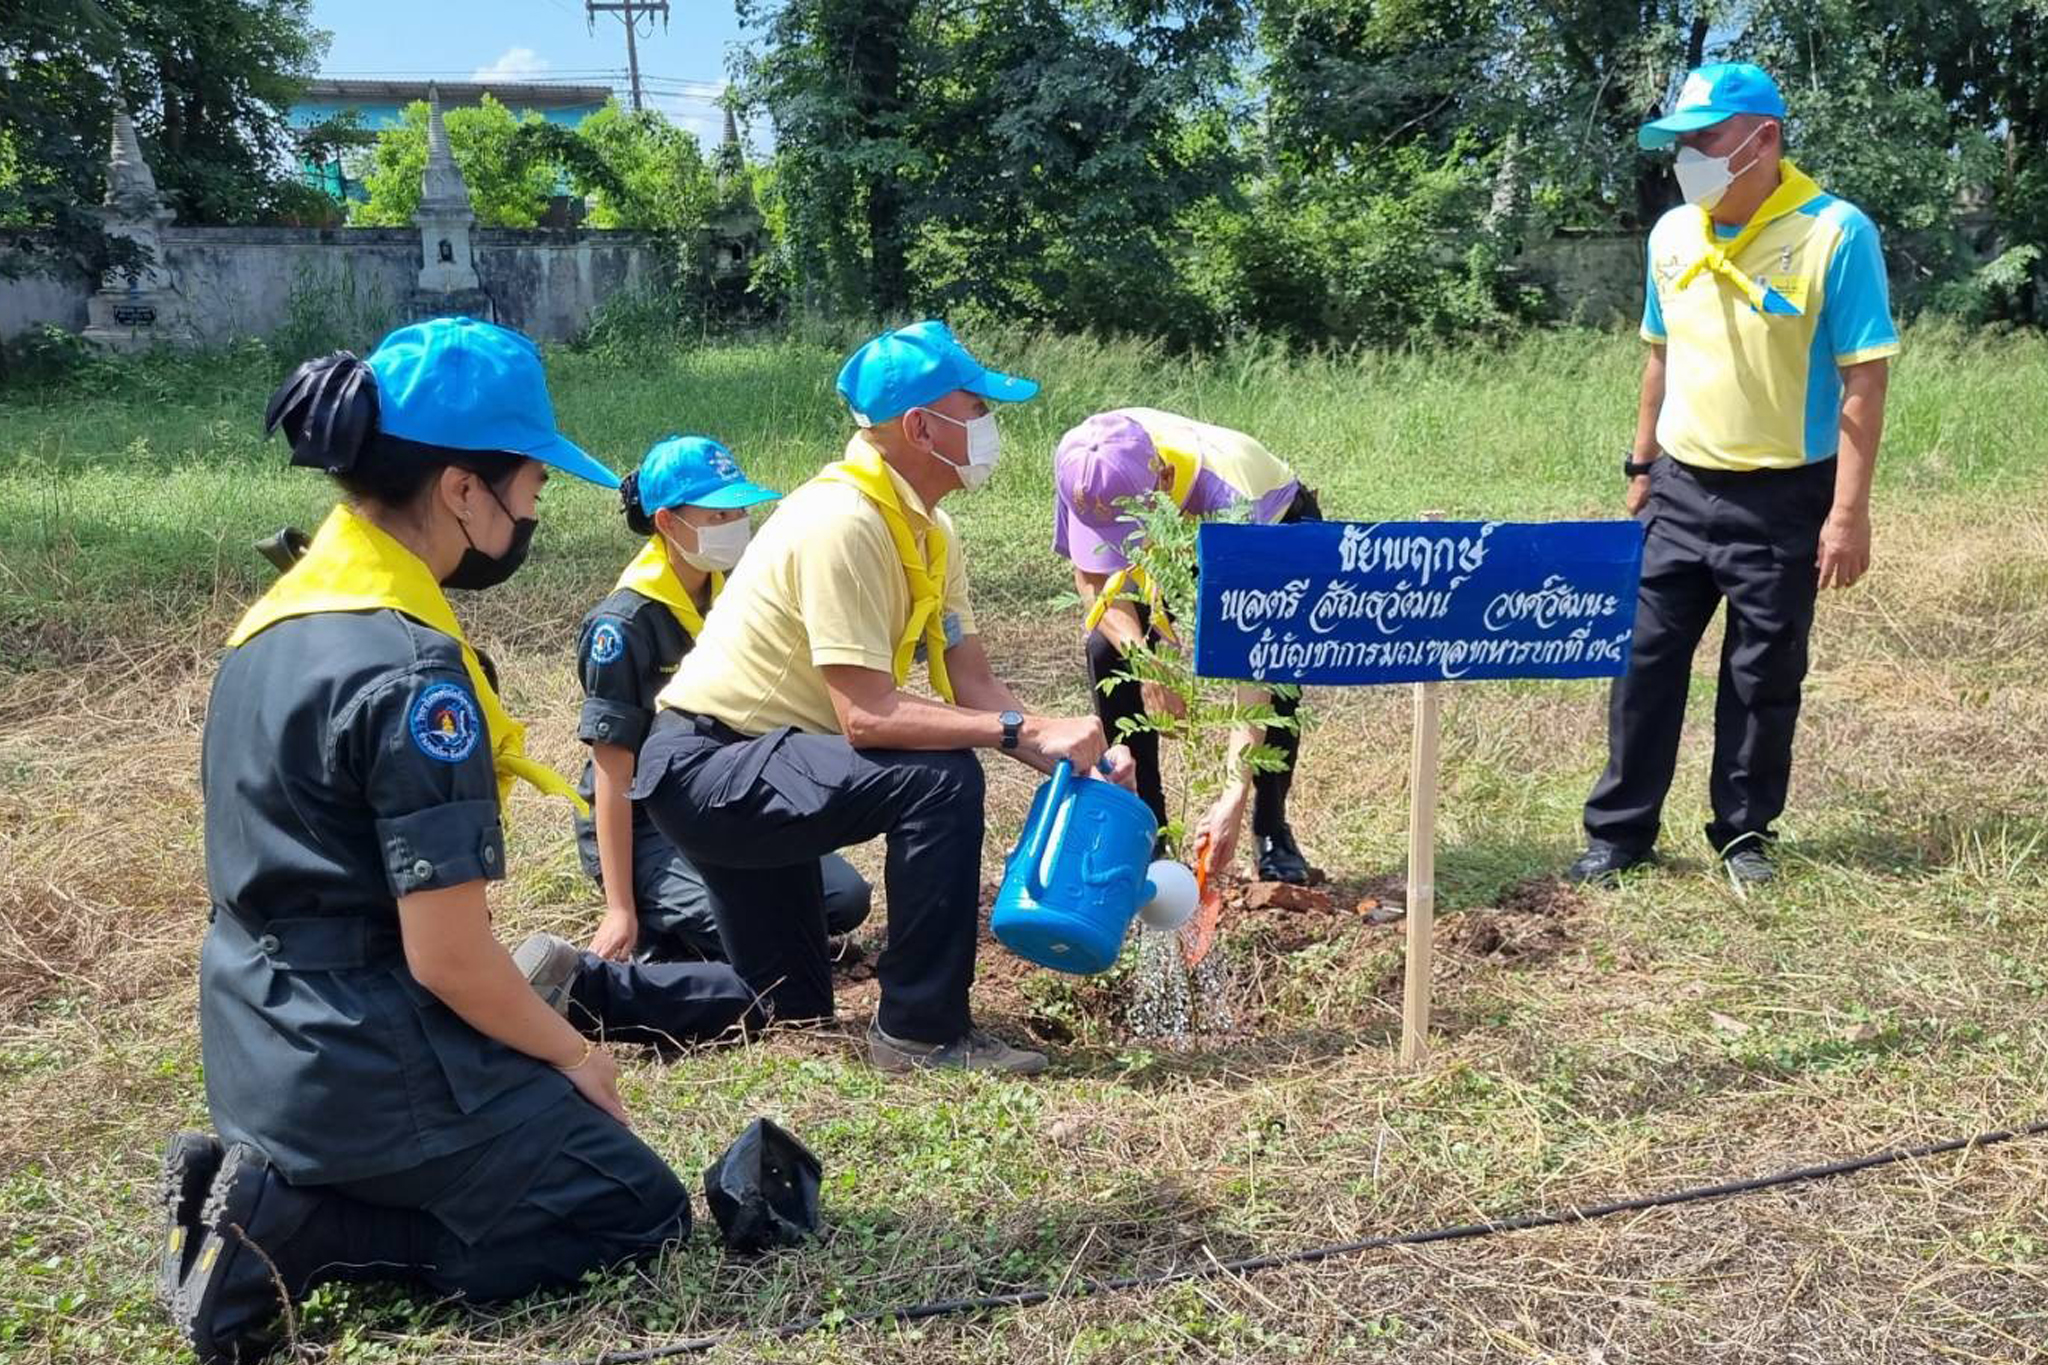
[(788, 731), (1770, 329)]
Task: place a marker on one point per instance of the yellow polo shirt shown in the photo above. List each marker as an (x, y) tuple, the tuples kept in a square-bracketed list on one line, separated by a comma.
[(1230, 467), (1747, 390), (820, 585)]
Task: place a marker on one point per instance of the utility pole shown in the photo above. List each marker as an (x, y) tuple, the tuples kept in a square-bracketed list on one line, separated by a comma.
[(629, 10)]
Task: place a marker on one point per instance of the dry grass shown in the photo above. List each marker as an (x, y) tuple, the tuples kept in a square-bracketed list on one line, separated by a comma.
[(1894, 989), (1658, 1036)]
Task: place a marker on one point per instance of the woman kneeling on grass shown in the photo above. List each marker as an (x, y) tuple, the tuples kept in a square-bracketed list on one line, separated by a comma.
[(689, 498), (396, 1099)]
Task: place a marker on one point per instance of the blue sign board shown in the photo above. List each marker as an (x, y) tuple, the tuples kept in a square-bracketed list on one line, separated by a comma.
[(1416, 601)]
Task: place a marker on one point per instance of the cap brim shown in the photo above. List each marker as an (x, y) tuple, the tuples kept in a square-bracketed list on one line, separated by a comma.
[(564, 454), (1095, 549), (741, 494), (1664, 131), (1003, 388)]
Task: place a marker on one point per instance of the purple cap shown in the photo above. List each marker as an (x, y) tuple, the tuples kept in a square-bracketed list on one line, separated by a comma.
[(1106, 459)]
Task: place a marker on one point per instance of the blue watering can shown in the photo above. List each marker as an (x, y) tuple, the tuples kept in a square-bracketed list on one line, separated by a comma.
[(1081, 871)]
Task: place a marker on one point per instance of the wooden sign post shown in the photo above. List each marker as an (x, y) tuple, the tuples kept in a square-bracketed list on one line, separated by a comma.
[(1421, 884), (1421, 877), (1424, 603)]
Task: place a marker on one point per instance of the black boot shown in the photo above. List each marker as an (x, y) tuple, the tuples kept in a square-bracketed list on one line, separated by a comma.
[(1280, 858), (267, 1243), (190, 1162)]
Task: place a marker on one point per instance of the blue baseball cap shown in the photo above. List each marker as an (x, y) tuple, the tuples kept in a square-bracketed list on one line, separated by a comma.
[(696, 471), (916, 365), (469, 385), (1710, 95)]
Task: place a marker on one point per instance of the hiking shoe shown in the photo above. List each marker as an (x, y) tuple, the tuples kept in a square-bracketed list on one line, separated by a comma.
[(549, 963), (1280, 859), (1748, 866), (1602, 865), (190, 1161), (248, 1268), (975, 1050)]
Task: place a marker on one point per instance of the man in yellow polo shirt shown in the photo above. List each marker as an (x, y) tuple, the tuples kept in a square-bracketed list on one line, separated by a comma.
[(1770, 329), (788, 733)]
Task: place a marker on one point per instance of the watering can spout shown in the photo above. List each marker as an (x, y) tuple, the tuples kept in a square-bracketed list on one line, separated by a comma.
[(1169, 895)]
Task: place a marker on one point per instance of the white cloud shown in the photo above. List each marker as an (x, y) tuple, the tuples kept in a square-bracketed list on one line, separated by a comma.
[(515, 64)]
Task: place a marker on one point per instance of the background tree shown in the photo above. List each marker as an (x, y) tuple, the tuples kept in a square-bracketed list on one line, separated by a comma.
[(509, 185), (1031, 159), (633, 170), (51, 170), (208, 83), (638, 170)]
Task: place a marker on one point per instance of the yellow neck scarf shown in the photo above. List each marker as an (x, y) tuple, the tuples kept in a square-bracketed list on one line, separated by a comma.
[(1185, 467), (1131, 578), (862, 469), (652, 575), (354, 566), (1795, 187)]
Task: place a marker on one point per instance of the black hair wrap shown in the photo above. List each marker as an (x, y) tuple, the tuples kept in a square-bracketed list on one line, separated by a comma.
[(637, 519), (328, 409), (329, 412)]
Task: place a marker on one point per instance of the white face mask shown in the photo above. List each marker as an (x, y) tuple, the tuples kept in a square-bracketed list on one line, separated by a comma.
[(1703, 179), (719, 547), (984, 444)]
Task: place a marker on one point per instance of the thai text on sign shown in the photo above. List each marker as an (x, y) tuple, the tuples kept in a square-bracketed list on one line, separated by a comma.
[(1416, 601)]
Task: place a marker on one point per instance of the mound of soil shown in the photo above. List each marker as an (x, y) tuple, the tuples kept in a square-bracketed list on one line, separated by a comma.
[(1535, 919), (1261, 923)]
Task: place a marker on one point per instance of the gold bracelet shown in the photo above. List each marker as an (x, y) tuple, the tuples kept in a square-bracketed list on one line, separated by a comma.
[(589, 1047)]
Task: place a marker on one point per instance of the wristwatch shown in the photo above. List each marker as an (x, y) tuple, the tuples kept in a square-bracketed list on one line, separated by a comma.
[(1013, 728), (1630, 467)]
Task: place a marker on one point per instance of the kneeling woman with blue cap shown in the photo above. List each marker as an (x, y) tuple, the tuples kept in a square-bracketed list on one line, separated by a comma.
[(397, 1100), (689, 498)]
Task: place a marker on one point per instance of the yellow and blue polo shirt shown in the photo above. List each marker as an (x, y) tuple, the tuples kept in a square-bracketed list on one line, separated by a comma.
[(1745, 390)]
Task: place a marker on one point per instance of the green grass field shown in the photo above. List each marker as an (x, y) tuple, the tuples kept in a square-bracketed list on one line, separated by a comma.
[(1893, 988)]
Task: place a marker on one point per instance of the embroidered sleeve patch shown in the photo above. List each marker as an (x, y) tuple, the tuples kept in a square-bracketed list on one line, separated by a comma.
[(607, 642), (444, 723)]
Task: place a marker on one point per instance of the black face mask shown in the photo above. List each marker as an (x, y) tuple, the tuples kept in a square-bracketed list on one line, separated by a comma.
[(476, 570)]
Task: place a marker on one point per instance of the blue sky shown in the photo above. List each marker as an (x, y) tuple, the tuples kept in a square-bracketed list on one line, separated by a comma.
[(680, 66)]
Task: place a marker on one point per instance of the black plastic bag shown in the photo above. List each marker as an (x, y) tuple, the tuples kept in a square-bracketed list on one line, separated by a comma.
[(763, 1191)]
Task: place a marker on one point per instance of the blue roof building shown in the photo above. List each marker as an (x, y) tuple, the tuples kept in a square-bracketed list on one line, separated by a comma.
[(380, 104)]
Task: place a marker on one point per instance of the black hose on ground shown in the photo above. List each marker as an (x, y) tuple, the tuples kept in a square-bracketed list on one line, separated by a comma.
[(1025, 1298)]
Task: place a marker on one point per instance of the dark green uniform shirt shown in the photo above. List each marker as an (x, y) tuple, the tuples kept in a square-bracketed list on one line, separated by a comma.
[(345, 764), (626, 652)]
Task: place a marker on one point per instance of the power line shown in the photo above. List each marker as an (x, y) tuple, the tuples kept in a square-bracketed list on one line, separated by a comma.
[(468, 73), (630, 11)]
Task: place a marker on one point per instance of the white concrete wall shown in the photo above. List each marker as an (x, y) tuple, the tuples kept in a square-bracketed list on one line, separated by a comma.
[(243, 282), (1594, 278), (33, 300)]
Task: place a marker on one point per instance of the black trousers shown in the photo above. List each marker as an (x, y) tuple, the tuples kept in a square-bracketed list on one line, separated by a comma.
[(464, 1224), (1751, 540), (663, 1004), (676, 924), (1125, 700), (755, 816)]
